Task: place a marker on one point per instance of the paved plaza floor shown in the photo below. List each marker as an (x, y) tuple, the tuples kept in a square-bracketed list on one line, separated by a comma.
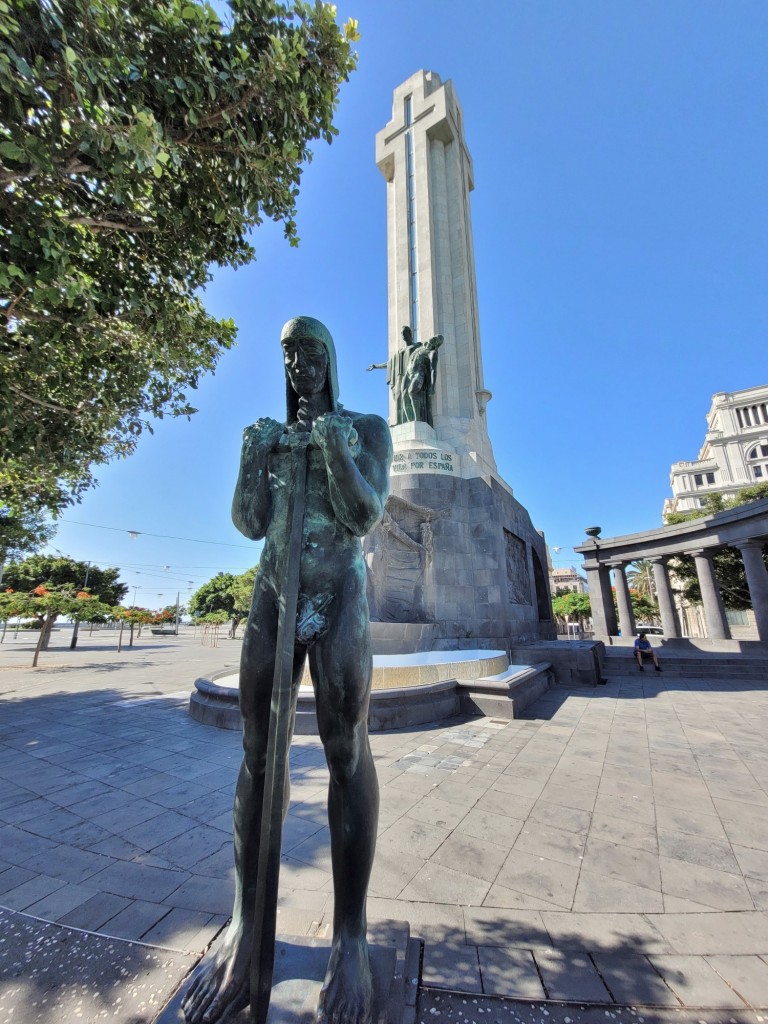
[(609, 849)]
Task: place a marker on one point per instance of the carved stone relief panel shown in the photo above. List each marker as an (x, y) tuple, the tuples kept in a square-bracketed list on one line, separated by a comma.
[(518, 577)]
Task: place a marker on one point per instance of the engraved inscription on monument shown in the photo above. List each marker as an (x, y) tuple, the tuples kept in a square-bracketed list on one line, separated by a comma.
[(424, 460)]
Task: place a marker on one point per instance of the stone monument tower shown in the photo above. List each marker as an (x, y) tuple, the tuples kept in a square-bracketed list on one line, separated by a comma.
[(428, 169), (456, 562)]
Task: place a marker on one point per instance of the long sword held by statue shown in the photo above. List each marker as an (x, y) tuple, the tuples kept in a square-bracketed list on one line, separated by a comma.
[(268, 872)]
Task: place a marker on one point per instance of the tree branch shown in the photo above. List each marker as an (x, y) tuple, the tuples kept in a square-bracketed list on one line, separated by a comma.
[(74, 165), (8, 313), (105, 224), (40, 401)]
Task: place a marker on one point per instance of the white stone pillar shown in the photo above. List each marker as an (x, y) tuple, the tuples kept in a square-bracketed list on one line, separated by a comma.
[(711, 598), (665, 598), (757, 581), (623, 600)]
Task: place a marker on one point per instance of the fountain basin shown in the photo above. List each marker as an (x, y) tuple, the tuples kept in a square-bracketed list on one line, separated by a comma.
[(407, 690)]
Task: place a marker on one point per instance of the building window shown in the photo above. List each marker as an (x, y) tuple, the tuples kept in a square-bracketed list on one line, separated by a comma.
[(752, 415), (700, 479), (758, 458), (736, 618)]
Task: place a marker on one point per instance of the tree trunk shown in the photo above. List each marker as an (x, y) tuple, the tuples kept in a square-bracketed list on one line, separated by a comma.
[(42, 639), (47, 629), (130, 642)]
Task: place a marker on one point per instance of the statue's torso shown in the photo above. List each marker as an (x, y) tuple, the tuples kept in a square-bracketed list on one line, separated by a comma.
[(329, 549)]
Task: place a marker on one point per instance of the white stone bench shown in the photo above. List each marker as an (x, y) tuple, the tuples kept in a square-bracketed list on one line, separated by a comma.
[(507, 694)]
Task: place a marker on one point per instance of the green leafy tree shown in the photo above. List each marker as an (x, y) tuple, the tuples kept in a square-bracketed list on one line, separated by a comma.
[(12, 606), (242, 592), (572, 607), (55, 571), (134, 617), (225, 593), (170, 609), (21, 531), (641, 579), (214, 596), (215, 618), (46, 605), (140, 144), (643, 608), (577, 607), (727, 562)]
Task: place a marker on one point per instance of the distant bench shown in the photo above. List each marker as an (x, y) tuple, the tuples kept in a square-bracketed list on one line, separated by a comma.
[(163, 631)]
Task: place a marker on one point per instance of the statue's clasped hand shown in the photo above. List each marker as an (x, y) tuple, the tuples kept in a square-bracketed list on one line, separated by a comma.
[(264, 433), (333, 431)]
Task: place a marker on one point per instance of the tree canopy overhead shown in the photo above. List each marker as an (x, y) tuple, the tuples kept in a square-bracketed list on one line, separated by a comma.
[(139, 144)]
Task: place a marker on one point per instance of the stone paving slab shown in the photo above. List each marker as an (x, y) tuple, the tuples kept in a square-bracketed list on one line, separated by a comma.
[(50, 973), (625, 826), (438, 1007)]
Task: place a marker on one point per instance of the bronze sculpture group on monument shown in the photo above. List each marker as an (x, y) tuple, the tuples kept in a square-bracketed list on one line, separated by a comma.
[(446, 547), (411, 375)]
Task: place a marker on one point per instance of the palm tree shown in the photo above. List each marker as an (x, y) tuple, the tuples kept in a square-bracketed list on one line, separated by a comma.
[(640, 578)]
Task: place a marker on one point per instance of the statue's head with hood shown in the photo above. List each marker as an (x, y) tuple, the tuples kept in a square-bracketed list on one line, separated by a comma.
[(304, 339)]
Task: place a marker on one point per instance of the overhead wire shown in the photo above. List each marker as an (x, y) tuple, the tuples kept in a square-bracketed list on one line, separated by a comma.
[(162, 536)]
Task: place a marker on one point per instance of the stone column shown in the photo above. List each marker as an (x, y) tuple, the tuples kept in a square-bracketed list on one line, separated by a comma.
[(757, 581), (601, 599), (623, 599), (711, 598), (665, 598)]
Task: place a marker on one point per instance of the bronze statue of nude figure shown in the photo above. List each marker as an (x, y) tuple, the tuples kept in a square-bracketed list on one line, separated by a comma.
[(347, 474)]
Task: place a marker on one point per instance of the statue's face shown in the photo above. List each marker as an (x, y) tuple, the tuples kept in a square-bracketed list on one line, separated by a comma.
[(306, 363)]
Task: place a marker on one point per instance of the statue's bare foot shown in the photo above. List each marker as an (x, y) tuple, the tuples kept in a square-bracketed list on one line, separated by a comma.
[(220, 985), (347, 993)]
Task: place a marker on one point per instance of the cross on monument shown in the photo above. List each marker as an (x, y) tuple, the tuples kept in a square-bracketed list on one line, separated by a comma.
[(424, 158)]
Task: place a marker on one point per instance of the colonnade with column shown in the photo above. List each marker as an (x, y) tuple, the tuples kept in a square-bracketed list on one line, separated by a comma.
[(604, 618)]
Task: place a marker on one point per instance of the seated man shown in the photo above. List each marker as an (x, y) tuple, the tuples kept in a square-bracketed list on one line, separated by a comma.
[(643, 649)]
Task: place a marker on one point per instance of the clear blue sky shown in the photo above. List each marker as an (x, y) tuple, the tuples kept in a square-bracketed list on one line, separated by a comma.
[(620, 220)]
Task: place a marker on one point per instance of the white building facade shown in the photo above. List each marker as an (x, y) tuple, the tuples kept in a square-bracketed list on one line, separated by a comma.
[(734, 454), (567, 579)]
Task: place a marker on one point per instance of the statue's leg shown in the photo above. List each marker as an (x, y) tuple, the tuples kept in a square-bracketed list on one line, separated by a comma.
[(220, 985), (341, 667), (408, 415), (414, 391)]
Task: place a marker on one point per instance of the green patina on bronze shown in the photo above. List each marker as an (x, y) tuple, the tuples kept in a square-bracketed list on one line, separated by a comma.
[(311, 487), (412, 377)]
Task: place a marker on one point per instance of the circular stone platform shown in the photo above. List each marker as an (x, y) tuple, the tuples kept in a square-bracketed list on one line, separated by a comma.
[(407, 689)]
